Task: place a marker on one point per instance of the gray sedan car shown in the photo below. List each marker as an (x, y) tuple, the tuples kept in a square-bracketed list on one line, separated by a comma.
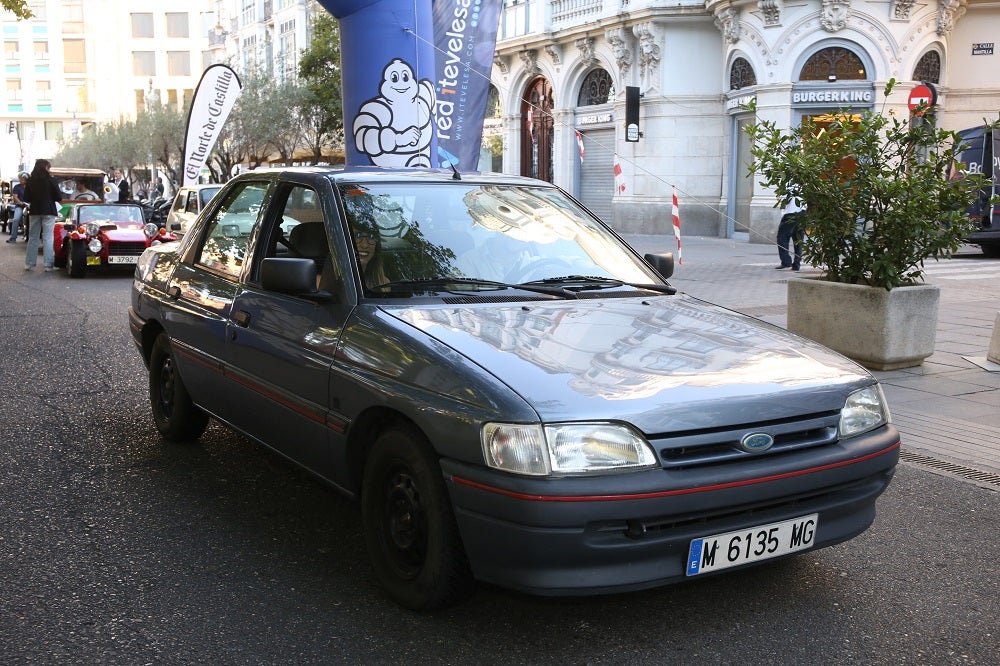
[(511, 392)]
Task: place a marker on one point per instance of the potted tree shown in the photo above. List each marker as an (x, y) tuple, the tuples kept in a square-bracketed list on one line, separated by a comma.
[(883, 194)]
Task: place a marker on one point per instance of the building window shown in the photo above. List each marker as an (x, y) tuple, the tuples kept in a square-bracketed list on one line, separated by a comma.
[(741, 74), (144, 63), (43, 91), (835, 61), (493, 102), (72, 17), (13, 90), (249, 14), (74, 56), (178, 25), (179, 63), (597, 88), (53, 130), (41, 51), (11, 51), (928, 68), (142, 25), (39, 11)]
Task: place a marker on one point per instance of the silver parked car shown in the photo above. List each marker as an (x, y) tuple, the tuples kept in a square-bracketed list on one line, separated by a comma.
[(511, 392), (188, 203)]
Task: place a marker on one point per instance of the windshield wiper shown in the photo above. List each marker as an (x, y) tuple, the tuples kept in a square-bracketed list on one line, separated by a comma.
[(442, 284), (586, 282)]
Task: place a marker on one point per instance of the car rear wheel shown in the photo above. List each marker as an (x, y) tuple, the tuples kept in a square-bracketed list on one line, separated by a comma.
[(177, 418), (76, 258), (410, 529)]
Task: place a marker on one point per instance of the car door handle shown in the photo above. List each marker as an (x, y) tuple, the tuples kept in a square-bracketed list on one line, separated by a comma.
[(242, 318)]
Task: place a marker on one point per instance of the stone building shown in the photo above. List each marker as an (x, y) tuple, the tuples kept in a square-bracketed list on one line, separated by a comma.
[(696, 63)]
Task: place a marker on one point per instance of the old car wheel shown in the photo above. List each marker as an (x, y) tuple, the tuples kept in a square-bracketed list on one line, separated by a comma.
[(176, 417), (76, 258), (410, 529)]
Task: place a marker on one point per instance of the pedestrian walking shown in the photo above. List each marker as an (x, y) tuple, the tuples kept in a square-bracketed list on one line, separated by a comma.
[(791, 230), (18, 205), (43, 195)]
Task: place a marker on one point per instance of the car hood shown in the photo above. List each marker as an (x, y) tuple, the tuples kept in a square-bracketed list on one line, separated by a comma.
[(124, 234), (661, 363)]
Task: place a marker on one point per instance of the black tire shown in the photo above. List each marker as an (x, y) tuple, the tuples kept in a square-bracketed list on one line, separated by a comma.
[(60, 262), (991, 250), (410, 529), (176, 417), (76, 258)]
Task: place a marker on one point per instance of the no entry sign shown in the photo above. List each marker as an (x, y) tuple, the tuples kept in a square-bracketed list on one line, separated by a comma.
[(922, 95)]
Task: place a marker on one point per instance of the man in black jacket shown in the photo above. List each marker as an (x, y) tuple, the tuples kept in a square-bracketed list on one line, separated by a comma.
[(124, 191)]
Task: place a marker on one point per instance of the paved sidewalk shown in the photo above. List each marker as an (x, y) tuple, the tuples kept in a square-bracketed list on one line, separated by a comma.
[(948, 409)]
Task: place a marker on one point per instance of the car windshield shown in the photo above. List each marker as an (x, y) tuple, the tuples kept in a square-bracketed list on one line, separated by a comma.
[(509, 234), (113, 214)]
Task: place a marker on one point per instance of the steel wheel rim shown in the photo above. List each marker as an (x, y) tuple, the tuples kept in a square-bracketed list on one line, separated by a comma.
[(404, 523), (166, 385)]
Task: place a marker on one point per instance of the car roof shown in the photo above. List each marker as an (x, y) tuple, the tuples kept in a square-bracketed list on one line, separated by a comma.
[(375, 174), (68, 172)]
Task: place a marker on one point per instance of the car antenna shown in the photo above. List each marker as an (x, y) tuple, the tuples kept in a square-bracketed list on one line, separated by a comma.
[(454, 171)]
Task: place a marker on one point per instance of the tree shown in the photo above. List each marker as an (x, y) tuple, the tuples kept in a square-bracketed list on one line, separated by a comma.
[(882, 193), (19, 8), (321, 111)]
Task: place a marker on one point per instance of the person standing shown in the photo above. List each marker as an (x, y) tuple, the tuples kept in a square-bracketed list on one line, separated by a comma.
[(17, 201), (124, 191), (43, 195), (790, 229)]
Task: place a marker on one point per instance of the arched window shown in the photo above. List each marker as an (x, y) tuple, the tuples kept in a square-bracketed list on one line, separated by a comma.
[(536, 130), (741, 74), (493, 102), (597, 88), (928, 68), (834, 61)]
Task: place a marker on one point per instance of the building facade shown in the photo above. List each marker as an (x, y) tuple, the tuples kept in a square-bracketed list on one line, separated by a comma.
[(78, 62), (696, 64)]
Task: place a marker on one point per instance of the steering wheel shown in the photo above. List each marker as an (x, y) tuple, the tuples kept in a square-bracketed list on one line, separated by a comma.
[(540, 269)]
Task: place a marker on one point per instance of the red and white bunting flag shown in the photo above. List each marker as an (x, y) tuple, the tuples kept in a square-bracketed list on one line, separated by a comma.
[(619, 177), (676, 214), (579, 143)]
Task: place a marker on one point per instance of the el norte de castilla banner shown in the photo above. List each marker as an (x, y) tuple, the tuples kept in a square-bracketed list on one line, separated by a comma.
[(213, 100), (415, 79)]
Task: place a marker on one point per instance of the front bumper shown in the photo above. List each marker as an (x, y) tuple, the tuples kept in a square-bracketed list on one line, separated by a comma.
[(619, 533)]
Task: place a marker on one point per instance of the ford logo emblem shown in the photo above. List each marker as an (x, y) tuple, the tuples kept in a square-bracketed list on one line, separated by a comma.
[(756, 442)]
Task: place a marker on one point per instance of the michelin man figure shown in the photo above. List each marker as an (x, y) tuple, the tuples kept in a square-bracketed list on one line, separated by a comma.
[(395, 128)]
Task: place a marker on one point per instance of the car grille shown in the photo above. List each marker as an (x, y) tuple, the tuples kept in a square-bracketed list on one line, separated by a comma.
[(130, 248), (712, 446)]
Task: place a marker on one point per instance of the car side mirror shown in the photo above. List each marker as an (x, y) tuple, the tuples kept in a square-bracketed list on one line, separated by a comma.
[(291, 275), (176, 226), (662, 263)]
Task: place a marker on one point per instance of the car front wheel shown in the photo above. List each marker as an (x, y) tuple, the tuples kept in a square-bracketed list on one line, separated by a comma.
[(177, 418), (76, 258), (410, 529)]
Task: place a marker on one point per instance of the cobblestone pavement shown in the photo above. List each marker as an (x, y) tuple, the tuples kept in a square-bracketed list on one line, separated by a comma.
[(948, 408)]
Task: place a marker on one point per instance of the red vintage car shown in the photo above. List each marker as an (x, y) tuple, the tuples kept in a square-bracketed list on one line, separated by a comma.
[(101, 234)]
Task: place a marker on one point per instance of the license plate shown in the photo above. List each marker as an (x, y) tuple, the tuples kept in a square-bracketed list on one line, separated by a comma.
[(123, 259), (721, 551)]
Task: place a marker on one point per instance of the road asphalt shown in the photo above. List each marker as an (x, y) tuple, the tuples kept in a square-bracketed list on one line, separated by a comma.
[(948, 408)]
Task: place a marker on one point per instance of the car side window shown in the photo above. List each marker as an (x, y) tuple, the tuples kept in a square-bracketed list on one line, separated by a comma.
[(192, 203), (228, 235)]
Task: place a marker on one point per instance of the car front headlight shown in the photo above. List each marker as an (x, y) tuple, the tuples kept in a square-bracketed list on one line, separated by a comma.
[(565, 449), (92, 228), (151, 229), (864, 410), (94, 245)]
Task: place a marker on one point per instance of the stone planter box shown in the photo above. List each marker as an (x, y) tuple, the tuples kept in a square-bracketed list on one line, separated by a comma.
[(881, 330)]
